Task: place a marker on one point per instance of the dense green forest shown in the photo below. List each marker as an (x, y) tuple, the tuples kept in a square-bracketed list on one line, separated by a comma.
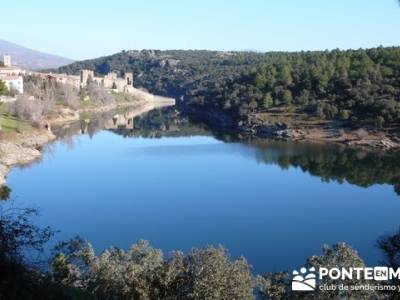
[(352, 85)]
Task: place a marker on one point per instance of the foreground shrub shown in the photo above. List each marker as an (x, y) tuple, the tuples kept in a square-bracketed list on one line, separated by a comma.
[(142, 272), (19, 235)]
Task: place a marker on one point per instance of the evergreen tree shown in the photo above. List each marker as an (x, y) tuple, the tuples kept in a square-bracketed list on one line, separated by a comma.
[(267, 101), (3, 88)]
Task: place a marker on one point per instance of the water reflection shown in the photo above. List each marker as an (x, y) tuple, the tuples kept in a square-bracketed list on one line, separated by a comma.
[(91, 124), (181, 184), (333, 163), (328, 162)]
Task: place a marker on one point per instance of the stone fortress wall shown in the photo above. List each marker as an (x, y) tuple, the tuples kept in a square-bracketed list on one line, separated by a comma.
[(110, 82), (13, 77)]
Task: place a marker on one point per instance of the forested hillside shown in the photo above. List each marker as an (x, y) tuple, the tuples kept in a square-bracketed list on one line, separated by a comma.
[(353, 85)]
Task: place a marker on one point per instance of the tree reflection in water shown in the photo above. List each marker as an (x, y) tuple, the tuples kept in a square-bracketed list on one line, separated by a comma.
[(338, 163)]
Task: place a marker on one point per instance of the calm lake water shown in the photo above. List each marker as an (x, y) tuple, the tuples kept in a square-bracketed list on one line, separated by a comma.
[(178, 186)]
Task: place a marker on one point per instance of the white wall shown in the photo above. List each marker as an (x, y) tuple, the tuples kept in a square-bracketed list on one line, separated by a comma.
[(14, 84)]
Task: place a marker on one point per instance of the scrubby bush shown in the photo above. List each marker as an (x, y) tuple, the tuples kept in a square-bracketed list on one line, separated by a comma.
[(142, 272), (51, 92), (27, 108), (278, 285), (69, 96), (5, 192), (98, 94)]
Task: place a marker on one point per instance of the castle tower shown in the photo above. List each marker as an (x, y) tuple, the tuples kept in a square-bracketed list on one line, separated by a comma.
[(85, 76), (7, 60), (128, 79), (110, 80)]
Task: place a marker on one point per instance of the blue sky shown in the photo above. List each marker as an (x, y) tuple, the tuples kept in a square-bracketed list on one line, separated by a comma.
[(87, 29)]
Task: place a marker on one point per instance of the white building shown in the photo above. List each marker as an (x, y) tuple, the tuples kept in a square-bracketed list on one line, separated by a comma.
[(7, 60), (13, 83), (9, 69), (12, 76)]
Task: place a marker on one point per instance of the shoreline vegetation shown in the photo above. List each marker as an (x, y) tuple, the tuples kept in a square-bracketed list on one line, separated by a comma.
[(350, 97)]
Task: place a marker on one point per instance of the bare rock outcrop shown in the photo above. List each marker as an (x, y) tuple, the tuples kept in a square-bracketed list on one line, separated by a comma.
[(293, 134), (384, 143)]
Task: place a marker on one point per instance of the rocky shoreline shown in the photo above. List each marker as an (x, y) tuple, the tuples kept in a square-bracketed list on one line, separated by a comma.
[(24, 148), (323, 132)]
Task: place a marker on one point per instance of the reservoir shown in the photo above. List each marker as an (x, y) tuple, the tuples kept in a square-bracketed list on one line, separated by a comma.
[(182, 185)]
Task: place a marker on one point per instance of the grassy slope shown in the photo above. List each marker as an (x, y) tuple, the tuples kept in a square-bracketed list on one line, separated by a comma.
[(10, 124)]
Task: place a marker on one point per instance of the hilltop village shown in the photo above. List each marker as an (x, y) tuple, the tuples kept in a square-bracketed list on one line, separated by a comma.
[(13, 77)]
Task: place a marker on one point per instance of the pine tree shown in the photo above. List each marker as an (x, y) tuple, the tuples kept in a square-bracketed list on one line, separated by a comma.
[(267, 101)]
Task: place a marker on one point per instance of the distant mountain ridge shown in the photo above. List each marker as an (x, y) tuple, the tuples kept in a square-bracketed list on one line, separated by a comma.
[(31, 59)]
